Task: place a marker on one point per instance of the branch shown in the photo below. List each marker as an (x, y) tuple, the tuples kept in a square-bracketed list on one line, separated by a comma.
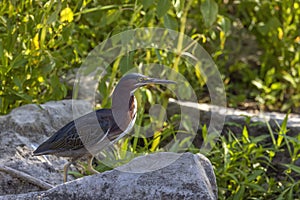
[(26, 177)]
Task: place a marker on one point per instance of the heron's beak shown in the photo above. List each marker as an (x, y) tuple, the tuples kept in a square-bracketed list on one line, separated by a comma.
[(155, 81), (160, 81)]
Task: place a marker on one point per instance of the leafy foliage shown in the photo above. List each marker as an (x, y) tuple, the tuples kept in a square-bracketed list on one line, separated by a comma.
[(275, 25), (251, 167), (254, 44)]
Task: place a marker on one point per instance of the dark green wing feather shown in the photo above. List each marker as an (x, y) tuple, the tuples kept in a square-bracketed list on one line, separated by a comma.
[(68, 139)]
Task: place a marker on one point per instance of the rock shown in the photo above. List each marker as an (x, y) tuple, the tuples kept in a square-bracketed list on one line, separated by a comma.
[(235, 119), (189, 176), (22, 131)]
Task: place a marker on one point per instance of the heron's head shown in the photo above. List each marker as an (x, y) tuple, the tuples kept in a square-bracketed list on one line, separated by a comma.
[(122, 95), (134, 80)]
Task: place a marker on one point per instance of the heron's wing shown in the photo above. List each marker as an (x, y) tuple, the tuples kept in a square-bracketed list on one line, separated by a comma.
[(78, 133)]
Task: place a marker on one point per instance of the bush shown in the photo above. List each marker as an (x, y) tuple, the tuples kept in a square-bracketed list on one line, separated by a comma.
[(260, 167), (255, 44)]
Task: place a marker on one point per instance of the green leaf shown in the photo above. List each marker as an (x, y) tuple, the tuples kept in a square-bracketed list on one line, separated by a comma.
[(258, 83), (19, 61), (162, 7), (2, 52), (21, 95), (147, 3), (254, 175), (260, 138), (149, 96), (283, 130), (183, 91), (225, 25), (76, 174), (52, 18), (293, 167), (204, 132), (209, 10), (245, 135), (269, 76), (127, 62), (240, 193), (255, 187), (170, 22), (288, 77), (276, 86), (67, 31), (103, 88), (174, 147), (17, 82), (57, 90), (282, 195), (270, 26), (113, 16)]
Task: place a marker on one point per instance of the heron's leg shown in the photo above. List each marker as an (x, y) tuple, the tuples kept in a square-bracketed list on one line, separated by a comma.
[(66, 168), (90, 165)]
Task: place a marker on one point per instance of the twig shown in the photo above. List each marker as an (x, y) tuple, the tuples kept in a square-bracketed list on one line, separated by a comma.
[(26, 177)]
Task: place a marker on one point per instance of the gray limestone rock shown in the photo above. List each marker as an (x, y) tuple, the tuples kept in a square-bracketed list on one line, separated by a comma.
[(21, 132), (187, 176), (235, 119)]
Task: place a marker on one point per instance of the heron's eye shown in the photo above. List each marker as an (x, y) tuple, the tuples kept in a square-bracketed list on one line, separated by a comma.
[(141, 79)]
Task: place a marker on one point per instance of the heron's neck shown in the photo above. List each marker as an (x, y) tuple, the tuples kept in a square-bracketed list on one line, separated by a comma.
[(123, 107), (121, 99)]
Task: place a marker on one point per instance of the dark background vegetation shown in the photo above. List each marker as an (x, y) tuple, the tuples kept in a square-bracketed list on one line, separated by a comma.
[(255, 44)]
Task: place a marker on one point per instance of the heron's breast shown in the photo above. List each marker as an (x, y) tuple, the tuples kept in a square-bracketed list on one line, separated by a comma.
[(132, 107)]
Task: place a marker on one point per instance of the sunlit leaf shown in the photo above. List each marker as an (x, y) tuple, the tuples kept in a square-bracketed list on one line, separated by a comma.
[(245, 135), (41, 79), (225, 24), (156, 141), (283, 131), (66, 15), (288, 77), (35, 41), (276, 86)]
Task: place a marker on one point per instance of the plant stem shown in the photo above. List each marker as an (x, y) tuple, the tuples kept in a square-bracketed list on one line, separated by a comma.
[(181, 35)]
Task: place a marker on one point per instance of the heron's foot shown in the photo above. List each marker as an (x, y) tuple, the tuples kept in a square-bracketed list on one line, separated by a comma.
[(90, 166), (67, 166), (92, 170)]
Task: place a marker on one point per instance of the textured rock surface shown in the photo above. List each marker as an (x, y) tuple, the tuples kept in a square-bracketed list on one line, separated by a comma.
[(236, 119), (20, 133), (188, 177)]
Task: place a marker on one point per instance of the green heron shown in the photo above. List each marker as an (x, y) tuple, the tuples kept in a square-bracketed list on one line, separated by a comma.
[(106, 124)]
